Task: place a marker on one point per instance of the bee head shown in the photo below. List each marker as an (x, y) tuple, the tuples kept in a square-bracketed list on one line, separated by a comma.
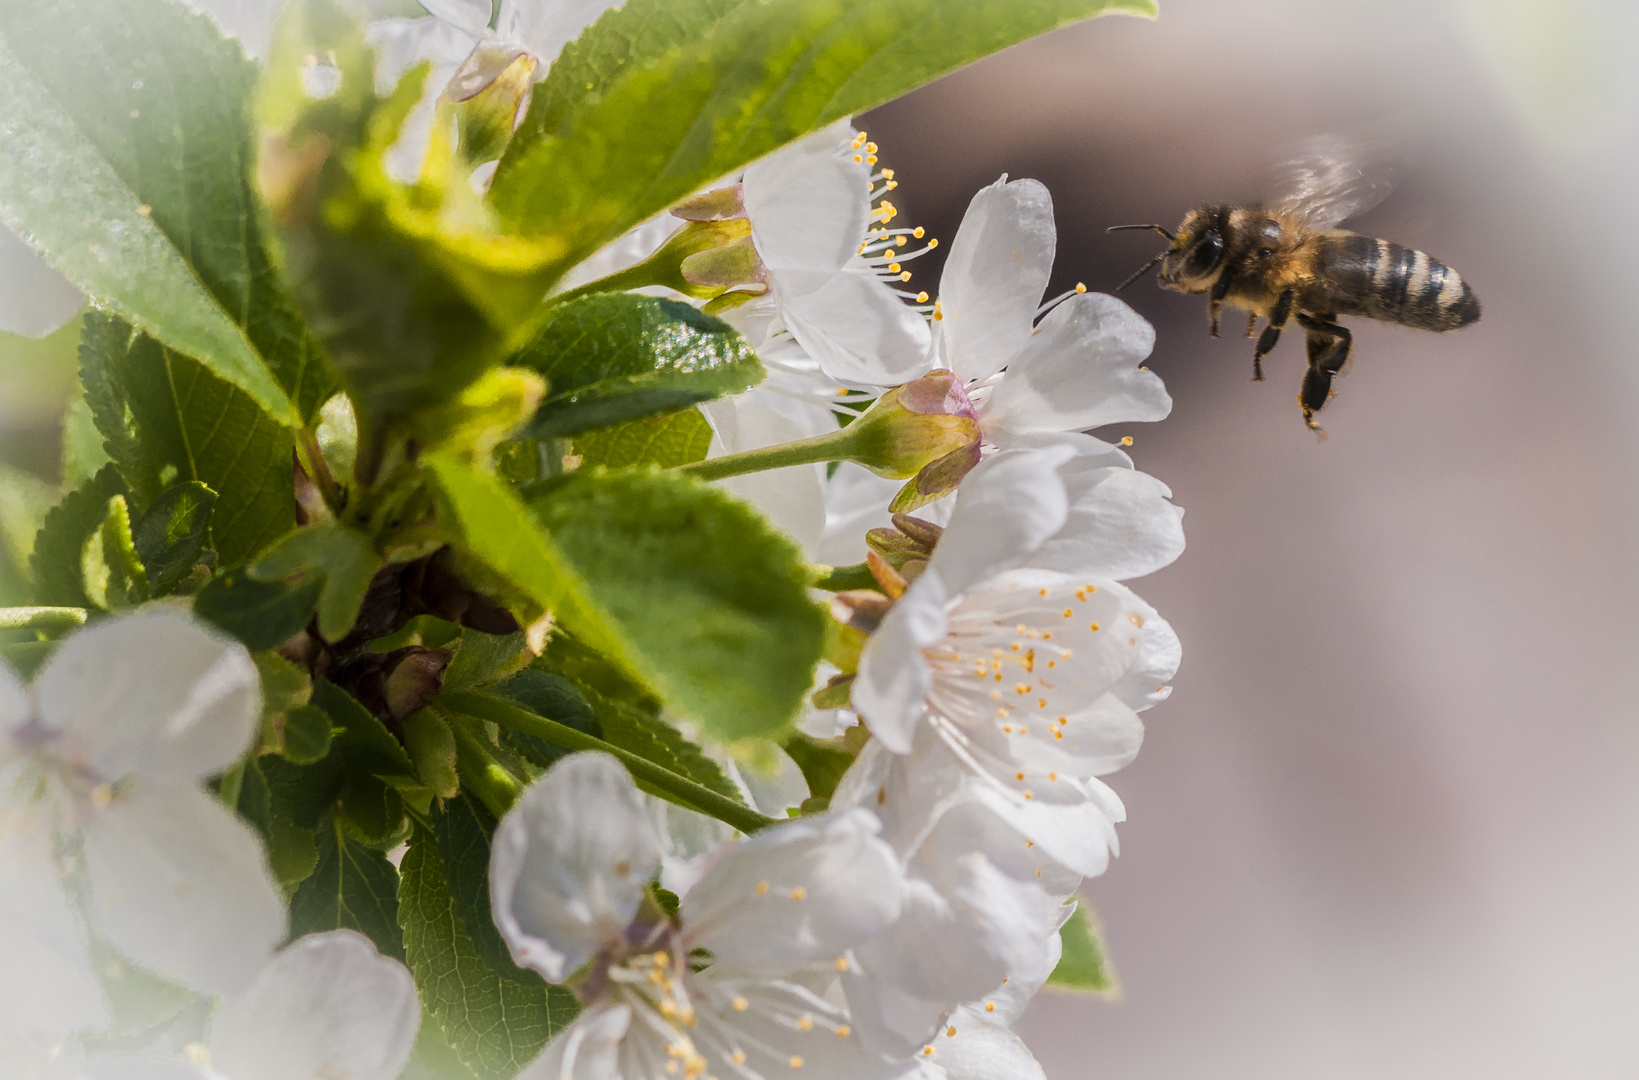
[(1197, 255)]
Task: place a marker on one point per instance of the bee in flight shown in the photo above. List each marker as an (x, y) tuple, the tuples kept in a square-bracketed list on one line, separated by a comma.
[(1286, 260)]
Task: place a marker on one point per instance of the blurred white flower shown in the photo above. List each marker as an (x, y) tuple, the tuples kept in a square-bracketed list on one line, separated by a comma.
[(1078, 368), (1017, 661), (34, 298), (776, 912), (329, 1007), (101, 771), (977, 1041)]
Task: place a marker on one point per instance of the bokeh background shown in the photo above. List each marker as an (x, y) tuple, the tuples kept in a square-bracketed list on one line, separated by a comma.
[(1388, 823)]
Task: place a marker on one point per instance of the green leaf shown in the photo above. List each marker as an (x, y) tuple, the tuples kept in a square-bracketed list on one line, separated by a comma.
[(152, 156), (431, 743), (822, 761), (58, 576), (352, 888), (649, 135), (306, 735), (262, 614), (651, 738), (170, 538), (1085, 966), (362, 739), (342, 558), (24, 501), (553, 697), (464, 829), (266, 802), (710, 600), (83, 452), (495, 1025), (109, 565), (667, 441), (481, 659), (46, 619), (612, 357), (166, 418)]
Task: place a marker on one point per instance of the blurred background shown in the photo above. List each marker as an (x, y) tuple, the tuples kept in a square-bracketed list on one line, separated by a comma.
[(1388, 823)]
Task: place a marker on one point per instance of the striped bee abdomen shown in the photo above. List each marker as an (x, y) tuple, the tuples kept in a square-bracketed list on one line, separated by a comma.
[(1362, 275)]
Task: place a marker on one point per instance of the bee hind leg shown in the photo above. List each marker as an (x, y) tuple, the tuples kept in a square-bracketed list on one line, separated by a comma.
[(1251, 324), (1271, 333), (1329, 348)]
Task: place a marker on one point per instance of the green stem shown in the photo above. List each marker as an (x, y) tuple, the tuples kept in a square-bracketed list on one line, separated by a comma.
[(46, 619), (843, 578), (832, 446), (480, 773), (669, 786)]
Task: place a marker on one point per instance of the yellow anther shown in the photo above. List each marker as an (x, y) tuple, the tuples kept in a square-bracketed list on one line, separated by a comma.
[(1019, 775), (1005, 727), (1052, 776), (740, 1004), (892, 184), (843, 1031), (1044, 591), (1057, 734), (858, 158), (904, 275), (933, 243), (795, 1062), (1017, 647), (1068, 613), (762, 888), (927, 1051), (900, 240), (890, 253), (1030, 794), (1041, 703), (1093, 627), (739, 1057), (887, 174), (870, 148), (661, 959), (1064, 719), (799, 893), (893, 268), (950, 1033), (1135, 618), (805, 1023), (870, 159), (990, 1006), (917, 232), (1126, 440), (921, 298), (1021, 688), (1080, 288), (102, 796), (842, 963)]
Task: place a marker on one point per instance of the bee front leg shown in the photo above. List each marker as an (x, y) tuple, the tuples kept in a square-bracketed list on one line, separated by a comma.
[(1329, 348), (1271, 333), (1220, 289), (1252, 324)]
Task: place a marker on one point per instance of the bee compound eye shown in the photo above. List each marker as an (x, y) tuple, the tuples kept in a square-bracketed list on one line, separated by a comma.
[(1206, 253)]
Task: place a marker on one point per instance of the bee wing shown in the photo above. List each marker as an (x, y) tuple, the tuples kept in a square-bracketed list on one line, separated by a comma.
[(1325, 179)]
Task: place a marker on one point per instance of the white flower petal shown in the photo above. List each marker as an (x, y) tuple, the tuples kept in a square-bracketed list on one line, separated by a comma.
[(1120, 524), (1006, 508), (329, 1006), (544, 27), (809, 204), (34, 298), (859, 329), (472, 16), (154, 694), (1081, 369), (856, 501), (894, 678), (777, 1028), (1072, 821), (588, 1049), (994, 277), (570, 864), (984, 1049), (180, 885), (793, 498), (806, 890), (46, 980), (1159, 653)]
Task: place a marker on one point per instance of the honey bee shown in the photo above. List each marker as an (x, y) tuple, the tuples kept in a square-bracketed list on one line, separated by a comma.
[(1285, 259)]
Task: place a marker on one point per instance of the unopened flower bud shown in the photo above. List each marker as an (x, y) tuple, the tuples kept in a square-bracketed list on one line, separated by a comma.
[(914, 425)]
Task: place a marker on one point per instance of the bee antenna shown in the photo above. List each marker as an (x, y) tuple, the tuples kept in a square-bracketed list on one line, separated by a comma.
[(1150, 228), (1140, 271)]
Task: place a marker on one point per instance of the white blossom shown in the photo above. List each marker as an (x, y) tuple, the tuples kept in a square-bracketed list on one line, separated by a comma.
[(1014, 662), (101, 771), (977, 1041), (1079, 367), (777, 913), (329, 1007)]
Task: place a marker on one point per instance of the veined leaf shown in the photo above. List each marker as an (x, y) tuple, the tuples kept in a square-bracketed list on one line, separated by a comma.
[(1084, 965), (612, 357), (496, 1025), (170, 537), (166, 418), (666, 441), (133, 175), (109, 564), (58, 575), (263, 615), (665, 126), (352, 888), (701, 589)]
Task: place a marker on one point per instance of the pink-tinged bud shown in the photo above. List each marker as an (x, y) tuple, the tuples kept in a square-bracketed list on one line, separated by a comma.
[(914, 425), (724, 267), (936, 478)]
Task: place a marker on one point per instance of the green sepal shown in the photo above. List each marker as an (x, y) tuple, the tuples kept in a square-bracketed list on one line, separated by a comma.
[(343, 560), (1085, 964)]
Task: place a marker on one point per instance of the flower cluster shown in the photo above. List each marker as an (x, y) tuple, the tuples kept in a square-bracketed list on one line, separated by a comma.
[(439, 723)]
